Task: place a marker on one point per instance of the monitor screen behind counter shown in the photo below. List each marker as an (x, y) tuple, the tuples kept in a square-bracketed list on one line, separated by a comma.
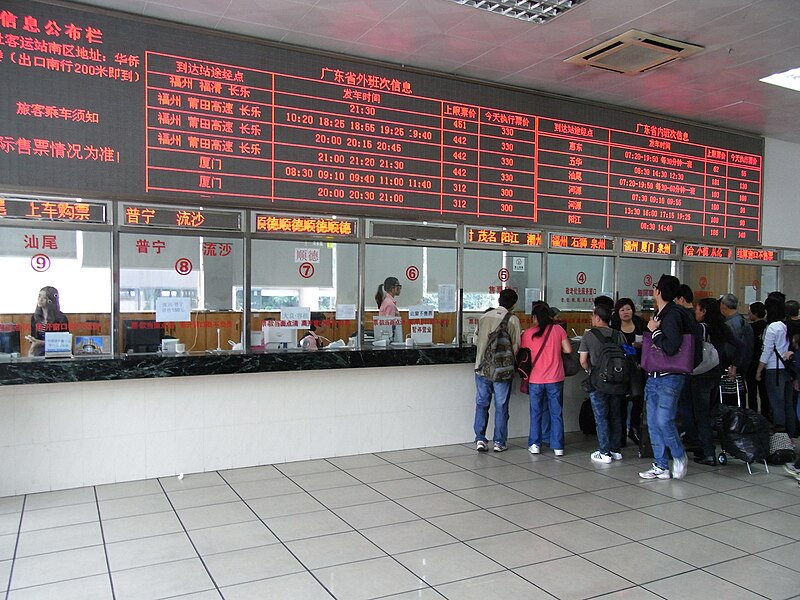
[(140, 338), (9, 339)]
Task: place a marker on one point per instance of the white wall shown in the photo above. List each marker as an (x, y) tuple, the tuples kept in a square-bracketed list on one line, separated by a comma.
[(781, 194), (58, 436)]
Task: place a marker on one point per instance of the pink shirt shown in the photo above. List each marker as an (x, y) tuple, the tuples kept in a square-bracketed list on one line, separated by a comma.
[(389, 307), (548, 367)]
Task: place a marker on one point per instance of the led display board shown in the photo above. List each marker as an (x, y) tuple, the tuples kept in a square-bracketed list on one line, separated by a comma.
[(112, 104)]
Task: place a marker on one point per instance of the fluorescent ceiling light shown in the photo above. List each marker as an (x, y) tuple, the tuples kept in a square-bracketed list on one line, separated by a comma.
[(525, 10), (788, 79)]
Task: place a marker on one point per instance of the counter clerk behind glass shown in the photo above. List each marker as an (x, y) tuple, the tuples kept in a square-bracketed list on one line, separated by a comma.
[(46, 317), (385, 297)]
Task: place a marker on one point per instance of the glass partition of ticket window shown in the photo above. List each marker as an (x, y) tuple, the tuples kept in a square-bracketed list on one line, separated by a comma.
[(297, 285), (76, 267), (707, 279), (636, 276), (427, 300), (573, 281), (487, 272), (180, 288), (752, 283)]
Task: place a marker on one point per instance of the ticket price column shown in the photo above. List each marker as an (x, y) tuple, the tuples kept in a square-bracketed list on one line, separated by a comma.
[(507, 148), (743, 193), (459, 159), (572, 174), (208, 128)]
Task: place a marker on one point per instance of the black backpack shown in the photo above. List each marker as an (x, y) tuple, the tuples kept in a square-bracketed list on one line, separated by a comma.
[(612, 373), (498, 361)]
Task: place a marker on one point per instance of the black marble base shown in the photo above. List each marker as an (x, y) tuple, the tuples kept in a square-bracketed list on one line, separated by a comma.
[(147, 366)]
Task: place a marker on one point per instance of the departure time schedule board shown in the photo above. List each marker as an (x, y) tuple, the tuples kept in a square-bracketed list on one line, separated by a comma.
[(100, 103)]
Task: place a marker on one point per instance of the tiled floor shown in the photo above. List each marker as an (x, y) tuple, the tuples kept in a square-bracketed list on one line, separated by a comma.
[(441, 522)]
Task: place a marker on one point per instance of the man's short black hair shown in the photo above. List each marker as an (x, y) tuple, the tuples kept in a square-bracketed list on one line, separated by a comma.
[(778, 295), (602, 312), (758, 309), (668, 285), (685, 292), (604, 301), (792, 308), (508, 298)]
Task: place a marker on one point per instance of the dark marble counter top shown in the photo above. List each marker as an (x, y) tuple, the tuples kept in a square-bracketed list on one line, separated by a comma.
[(146, 366)]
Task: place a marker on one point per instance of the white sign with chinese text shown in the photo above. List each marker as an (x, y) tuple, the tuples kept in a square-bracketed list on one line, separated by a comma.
[(421, 311), (173, 310), (518, 263), (296, 317), (422, 334), (57, 343)]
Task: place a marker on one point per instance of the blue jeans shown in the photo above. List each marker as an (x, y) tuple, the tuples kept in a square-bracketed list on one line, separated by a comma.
[(484, 390), (661, 395), (606, 414), (549, 396)]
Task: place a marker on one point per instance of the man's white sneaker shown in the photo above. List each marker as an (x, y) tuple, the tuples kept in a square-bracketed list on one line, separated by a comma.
[(679, 466), (601, 458), (616, 455), (655, 473), (534, 449), (558, 452), (499, 447), (481, 446)]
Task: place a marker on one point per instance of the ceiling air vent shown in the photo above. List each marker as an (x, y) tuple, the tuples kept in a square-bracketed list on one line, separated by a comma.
[(633, 52)]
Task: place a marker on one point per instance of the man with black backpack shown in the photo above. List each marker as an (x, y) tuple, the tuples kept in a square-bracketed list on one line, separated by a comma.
[(497, 341), (609, 372)]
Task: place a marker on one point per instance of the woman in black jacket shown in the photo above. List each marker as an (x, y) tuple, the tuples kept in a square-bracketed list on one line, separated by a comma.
[(632, 326), (704, 386)]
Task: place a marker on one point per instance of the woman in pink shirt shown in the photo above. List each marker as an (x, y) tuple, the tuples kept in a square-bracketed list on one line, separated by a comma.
[(385, 297), (546, 341)]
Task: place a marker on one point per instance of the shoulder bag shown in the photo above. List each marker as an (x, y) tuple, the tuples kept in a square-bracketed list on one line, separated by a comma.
[(655, 360), (524, 362), (710, 355)]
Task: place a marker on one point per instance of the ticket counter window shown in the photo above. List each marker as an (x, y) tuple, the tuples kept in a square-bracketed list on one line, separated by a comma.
[(299, 284), (426, 277), (75, 267), (636, 276), (180, 291), (752, 283), (707, 279), (573, 281), (487, 272)]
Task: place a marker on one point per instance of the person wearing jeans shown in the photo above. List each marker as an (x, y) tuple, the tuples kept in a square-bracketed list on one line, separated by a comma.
[(546, 341), (485, 389), (663, 389), (551, 397), (605, 406)]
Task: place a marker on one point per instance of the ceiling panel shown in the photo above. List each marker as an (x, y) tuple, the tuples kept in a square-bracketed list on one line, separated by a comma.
[(743, 40)]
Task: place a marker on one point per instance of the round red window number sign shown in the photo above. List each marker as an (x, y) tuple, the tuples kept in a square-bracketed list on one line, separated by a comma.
[(183, 266), (40, 262)]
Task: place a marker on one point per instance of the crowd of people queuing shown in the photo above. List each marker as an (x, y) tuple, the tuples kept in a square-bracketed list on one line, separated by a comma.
[(756, 350)]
